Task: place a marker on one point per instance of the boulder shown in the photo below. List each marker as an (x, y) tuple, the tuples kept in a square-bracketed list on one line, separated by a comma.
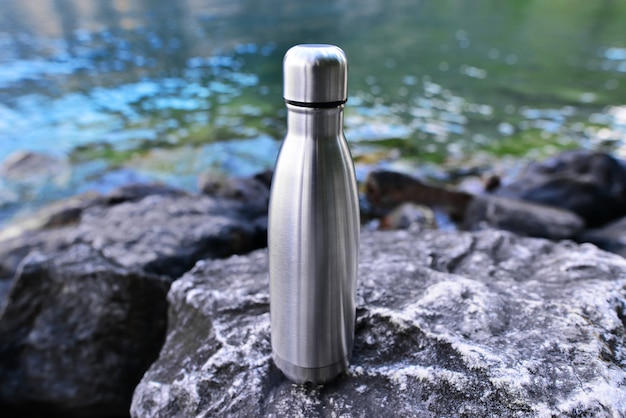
[(133, 192), (34, 167), (524, 218), (44, 230), (610, 237), (83, 305), (77, 332), (26, 176), (157, 229), (253, 191), (166, 235), (471, 324), (387, 190), (590, 184)]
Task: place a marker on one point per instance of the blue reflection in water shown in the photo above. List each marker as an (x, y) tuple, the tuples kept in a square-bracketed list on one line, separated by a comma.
[(161, 90)]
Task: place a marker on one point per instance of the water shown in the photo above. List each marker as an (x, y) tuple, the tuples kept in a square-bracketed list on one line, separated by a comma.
[(154, 90)]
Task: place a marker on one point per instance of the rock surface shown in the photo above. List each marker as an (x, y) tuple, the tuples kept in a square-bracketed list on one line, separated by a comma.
[(448, 324), (523, 218), (590, 184), (386, 189), (610, 237), (166, 235), (83, 306), (28, 166), (158, 230), (76, 334), (254, 191)]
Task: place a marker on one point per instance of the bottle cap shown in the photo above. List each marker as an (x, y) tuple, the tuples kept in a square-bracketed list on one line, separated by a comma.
[(315, 74)]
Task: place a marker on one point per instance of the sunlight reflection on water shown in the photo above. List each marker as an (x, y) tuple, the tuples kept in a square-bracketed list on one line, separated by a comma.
[(163, 91)]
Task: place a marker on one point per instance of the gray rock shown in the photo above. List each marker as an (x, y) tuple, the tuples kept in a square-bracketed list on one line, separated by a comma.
[(83, 307), (386, 189), (610, 237), (17, 246), (448, 324), (523, 218), (590, 184), (168, 234), (29, 166), (253, 192), (160, 233), (76, 334), (137, 191), (409, 215)]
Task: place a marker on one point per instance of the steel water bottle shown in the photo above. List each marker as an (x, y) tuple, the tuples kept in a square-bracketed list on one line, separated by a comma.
[(313, 231)]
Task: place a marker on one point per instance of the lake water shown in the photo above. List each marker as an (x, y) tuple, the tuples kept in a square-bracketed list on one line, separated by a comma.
[(159, 90)]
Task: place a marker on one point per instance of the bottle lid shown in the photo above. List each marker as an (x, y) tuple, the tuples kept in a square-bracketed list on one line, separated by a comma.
[(315, 75)]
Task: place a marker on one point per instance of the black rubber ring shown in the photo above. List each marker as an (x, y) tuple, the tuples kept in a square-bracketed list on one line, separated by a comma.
[(323, 105)]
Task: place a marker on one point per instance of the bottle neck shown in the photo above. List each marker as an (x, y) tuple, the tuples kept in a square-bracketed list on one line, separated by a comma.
[(315, 122)]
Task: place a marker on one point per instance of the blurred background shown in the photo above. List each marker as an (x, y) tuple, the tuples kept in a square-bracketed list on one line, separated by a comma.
[(95, 94)]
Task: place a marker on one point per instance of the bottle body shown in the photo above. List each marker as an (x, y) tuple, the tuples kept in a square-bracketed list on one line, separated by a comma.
[(313, 236)]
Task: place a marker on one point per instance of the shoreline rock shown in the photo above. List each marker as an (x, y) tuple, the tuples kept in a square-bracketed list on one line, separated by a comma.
[(578, 195), (448, 324), (587, 183), (131, 222), (76, 334), (83, 306), (387, 190), (456, 323)]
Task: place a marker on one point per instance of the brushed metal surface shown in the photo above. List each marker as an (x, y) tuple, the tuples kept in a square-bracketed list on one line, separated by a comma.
[(313, 240), (315, 74)]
